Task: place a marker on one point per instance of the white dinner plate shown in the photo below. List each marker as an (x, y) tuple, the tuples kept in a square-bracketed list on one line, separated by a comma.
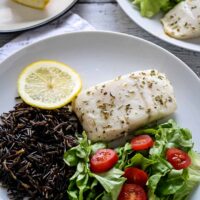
[(155, 27), (16, 17), (100, 56)]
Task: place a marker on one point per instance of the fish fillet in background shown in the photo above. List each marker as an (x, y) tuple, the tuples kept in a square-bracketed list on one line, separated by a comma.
[(111, 109), (183, 21)]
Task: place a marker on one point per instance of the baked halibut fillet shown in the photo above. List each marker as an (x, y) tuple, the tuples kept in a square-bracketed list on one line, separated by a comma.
[(111, 109)]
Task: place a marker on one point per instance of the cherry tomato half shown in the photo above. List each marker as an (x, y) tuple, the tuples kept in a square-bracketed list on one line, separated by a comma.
[(103, 160), (135, 175), (132, 192), (141, 142), (178, 158)]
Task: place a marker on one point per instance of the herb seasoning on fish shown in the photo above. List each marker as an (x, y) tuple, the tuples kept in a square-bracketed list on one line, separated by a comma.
[(32, 144)]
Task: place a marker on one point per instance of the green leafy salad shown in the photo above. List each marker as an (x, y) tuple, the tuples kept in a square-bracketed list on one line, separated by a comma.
[(157, 164), (149, 8)]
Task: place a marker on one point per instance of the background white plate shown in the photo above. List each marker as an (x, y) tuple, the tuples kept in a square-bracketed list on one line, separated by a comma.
[(16, 17), (155, 27), (100, 56)]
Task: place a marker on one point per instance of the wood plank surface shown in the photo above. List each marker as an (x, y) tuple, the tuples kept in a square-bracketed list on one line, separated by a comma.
[(107, 15)]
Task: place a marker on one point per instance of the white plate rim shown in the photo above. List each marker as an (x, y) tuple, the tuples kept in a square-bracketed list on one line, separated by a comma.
[(43, 22), (111, 33), (123, 7)]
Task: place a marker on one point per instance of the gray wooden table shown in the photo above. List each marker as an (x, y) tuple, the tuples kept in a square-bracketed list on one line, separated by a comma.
[(107, 15)]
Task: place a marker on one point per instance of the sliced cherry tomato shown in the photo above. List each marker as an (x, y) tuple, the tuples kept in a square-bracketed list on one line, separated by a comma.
[(178, 158), (103, 160), (135, 175), (132, 192), (141, 142)]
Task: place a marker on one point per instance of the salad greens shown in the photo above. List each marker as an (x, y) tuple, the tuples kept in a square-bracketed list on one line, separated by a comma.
[(161, 172), (87, 185), (164, 182), (149, 8)]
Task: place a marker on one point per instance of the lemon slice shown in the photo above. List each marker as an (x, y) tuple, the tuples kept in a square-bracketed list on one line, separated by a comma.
[(39, 4), (48, 84)]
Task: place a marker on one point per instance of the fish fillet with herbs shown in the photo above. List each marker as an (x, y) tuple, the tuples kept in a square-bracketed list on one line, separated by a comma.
[(183, 21), (111, 109)]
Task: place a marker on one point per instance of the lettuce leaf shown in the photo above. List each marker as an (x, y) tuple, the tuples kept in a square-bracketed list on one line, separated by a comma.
[(140, 161), (80, 152), (171, 183), (111, 181), (149, 8)]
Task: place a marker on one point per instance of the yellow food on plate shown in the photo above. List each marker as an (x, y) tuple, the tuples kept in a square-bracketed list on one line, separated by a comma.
[(114, 108), (39, 4), (48, 84)]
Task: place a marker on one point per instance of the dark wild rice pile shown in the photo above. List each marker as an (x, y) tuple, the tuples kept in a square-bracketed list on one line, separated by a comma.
[(32, 143)]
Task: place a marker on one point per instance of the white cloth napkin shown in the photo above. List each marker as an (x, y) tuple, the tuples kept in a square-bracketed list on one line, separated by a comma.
[(67, 23)]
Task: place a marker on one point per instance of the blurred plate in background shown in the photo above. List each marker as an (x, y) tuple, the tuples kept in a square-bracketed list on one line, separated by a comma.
[(15, 17), (154, 27)]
